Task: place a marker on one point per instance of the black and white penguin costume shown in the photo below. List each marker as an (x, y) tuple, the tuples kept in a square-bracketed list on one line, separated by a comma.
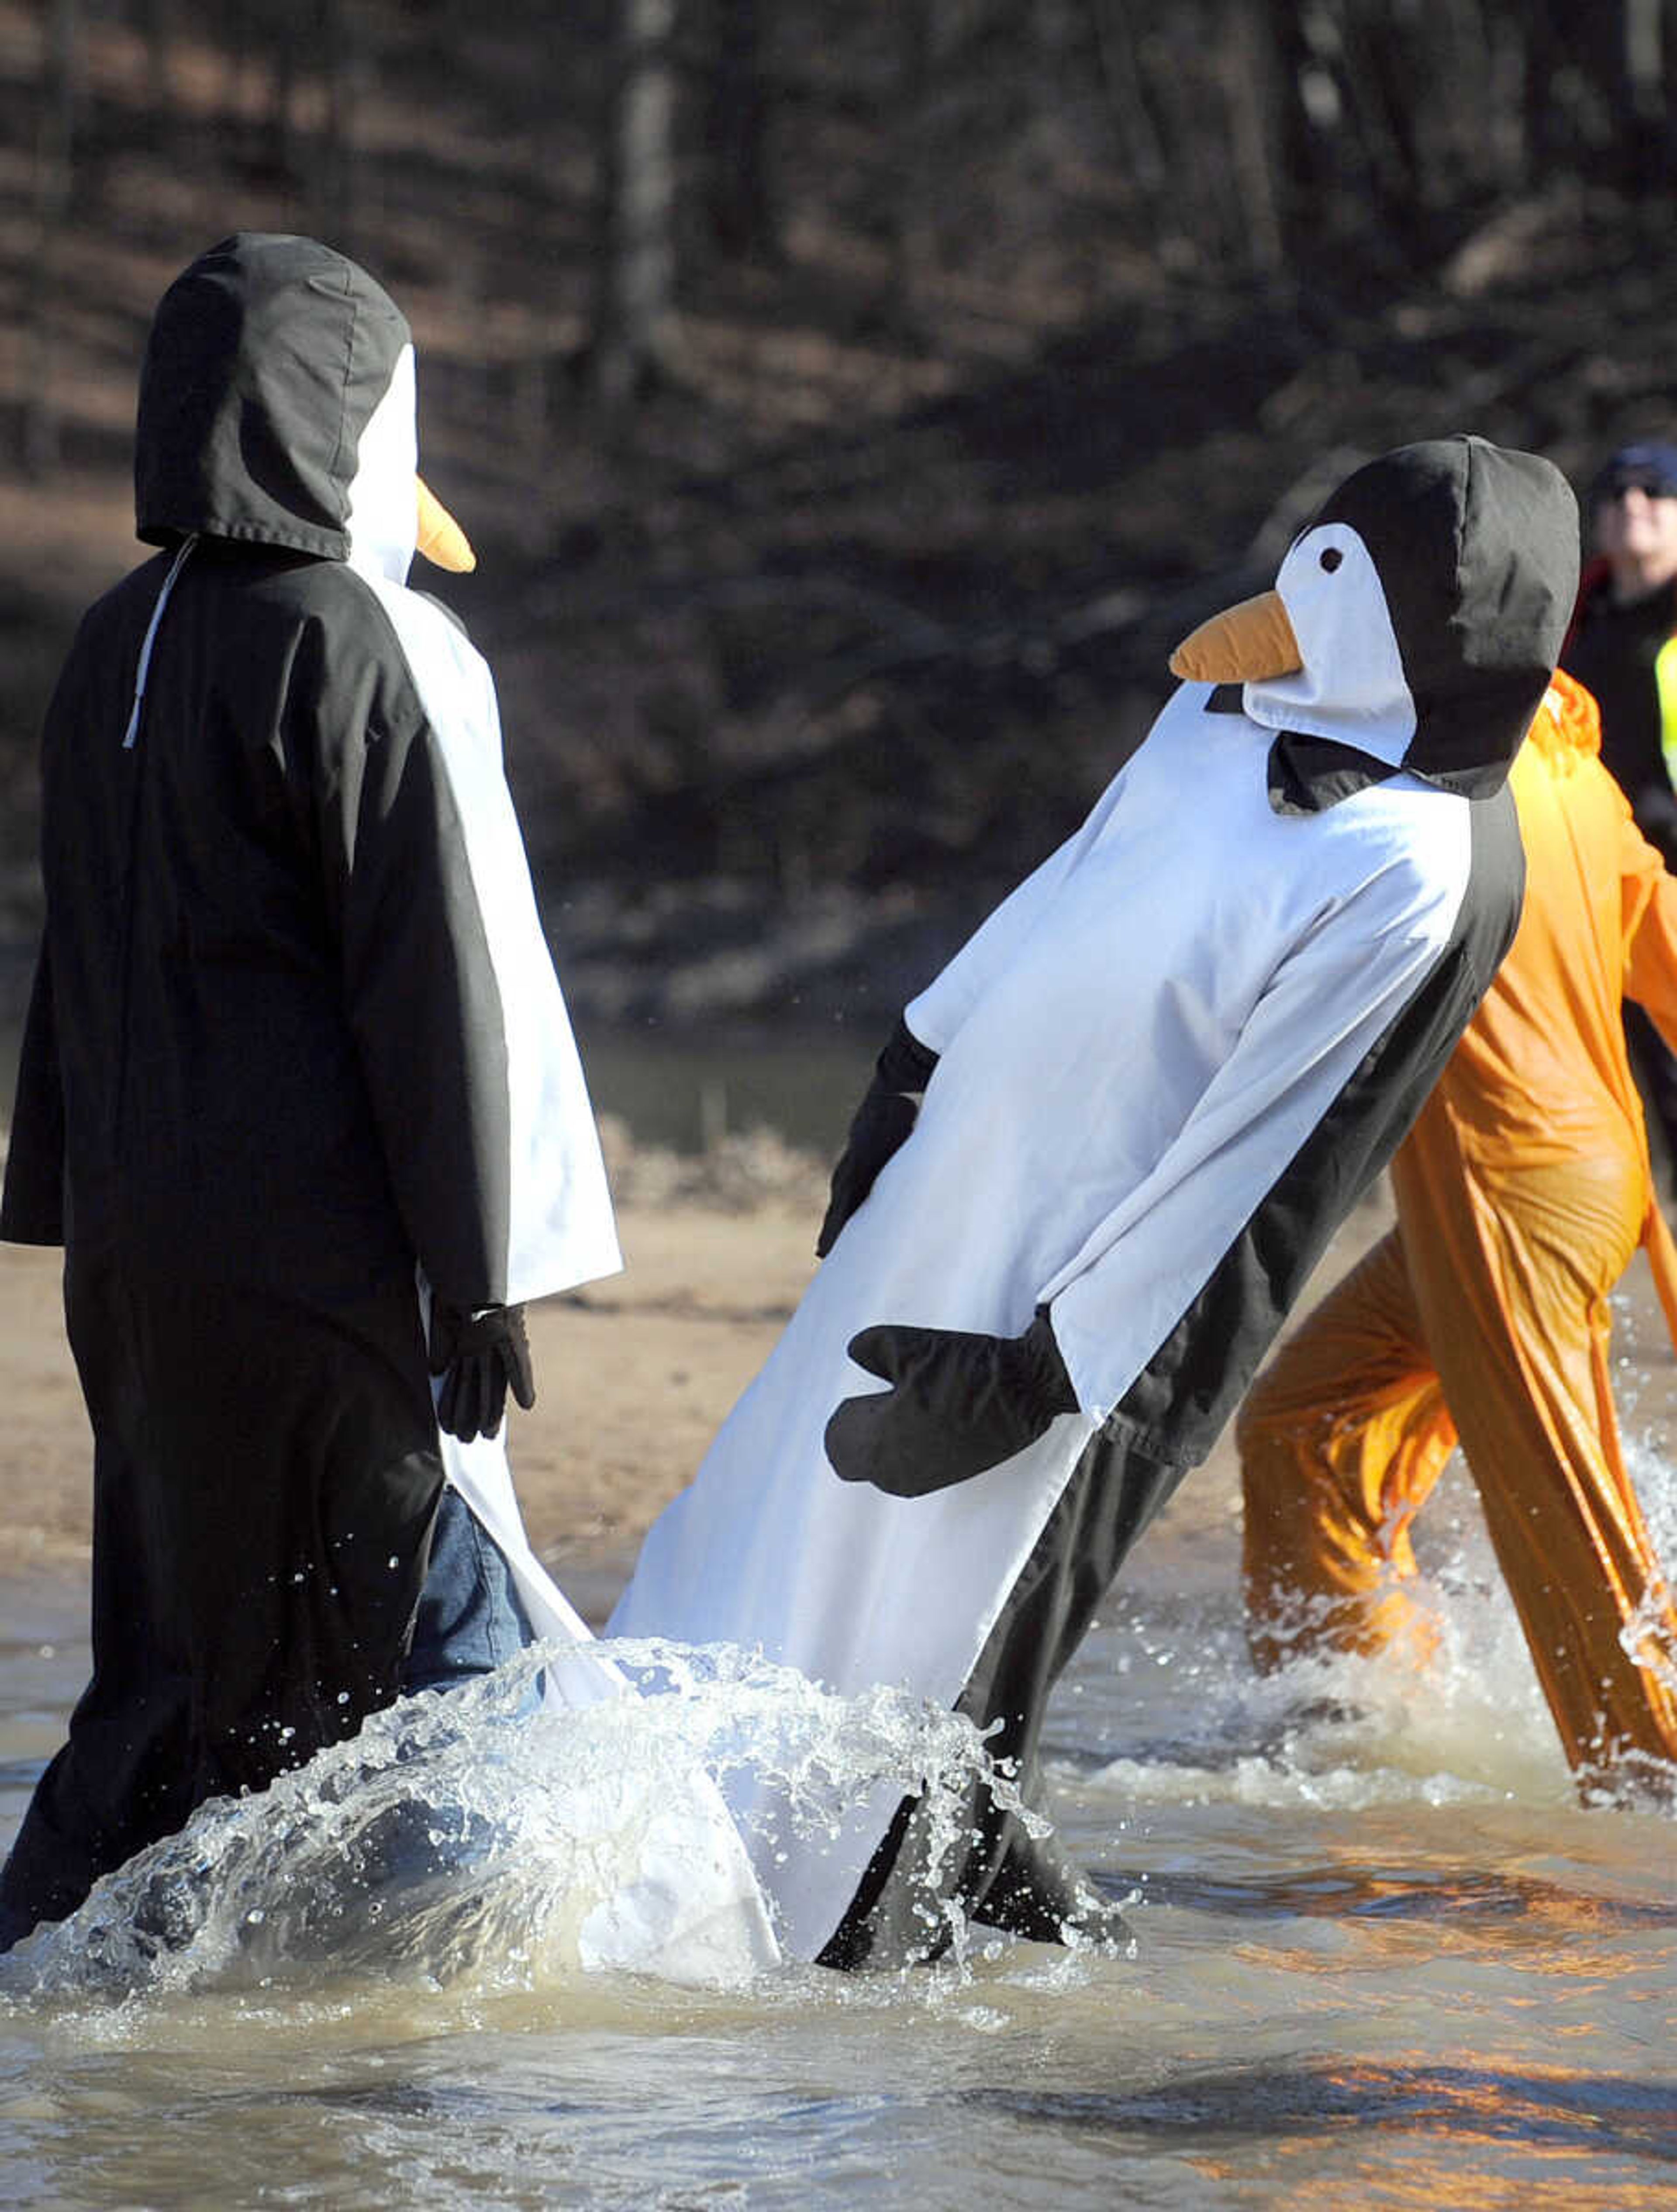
[(1154, 1083), (295, 1035)]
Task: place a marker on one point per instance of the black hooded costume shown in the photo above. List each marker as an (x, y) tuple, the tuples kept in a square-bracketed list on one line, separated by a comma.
[(295, 1037)]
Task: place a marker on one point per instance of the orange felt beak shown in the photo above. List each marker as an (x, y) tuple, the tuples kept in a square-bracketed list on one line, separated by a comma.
[(1244, 644), (441, 540)]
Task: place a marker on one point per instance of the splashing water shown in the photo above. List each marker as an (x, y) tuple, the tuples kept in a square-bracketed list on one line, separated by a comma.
[(461, 1841), (1647, 1637), (1655, 1479), (465, 1835), (1458, 1719)]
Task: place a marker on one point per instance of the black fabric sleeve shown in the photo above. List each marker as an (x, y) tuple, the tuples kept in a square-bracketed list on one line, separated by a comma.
[(32, 1208), (879, 1128), (904, 1063), (422, 996)]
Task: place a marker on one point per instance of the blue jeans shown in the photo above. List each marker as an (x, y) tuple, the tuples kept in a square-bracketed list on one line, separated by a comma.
[(470, 1619)]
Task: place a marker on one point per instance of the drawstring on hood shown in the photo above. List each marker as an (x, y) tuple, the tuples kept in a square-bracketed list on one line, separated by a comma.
[(150, 638)]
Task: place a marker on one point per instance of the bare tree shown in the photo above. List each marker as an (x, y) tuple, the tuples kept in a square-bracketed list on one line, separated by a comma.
[(55, 124), (737, 198), (911, 226), (341, 63), (634, 326), (1645, 128), (1247, 72), (161, 28), (1124, 78)]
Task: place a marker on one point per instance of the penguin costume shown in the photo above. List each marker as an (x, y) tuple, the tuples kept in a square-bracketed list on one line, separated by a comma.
[(1104, 1151), (295, 1039)]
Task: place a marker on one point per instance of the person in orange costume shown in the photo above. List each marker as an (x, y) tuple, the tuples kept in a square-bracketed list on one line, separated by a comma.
[(1522, 1192)]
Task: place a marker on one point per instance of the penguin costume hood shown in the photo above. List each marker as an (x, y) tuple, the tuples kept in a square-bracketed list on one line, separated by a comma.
[(1104, 1150), (1415, 623), (276, 408)]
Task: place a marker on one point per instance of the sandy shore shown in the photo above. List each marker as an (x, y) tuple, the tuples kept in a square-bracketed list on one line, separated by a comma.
[(634, 1377)]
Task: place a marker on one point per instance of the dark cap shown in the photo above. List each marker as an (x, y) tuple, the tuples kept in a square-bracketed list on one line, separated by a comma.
[(1649, 466)]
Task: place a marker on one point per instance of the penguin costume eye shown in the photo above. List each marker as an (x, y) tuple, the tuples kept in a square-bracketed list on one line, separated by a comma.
[(1310, 657), (1314, 657)]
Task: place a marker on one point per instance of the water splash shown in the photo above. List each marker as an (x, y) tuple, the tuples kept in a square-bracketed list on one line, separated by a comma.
[(1646, 1637), (1458, 1718), (465, 1838), (1655, 1479)]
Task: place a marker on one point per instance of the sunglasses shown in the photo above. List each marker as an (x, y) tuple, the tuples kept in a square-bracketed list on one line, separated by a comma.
[(1650, 487)]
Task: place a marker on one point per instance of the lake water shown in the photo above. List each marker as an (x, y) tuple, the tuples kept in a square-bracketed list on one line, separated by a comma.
[(1380, 1958), (684, 1091)]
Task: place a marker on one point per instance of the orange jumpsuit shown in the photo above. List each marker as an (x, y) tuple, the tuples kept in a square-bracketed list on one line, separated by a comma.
[(1522, 1191)]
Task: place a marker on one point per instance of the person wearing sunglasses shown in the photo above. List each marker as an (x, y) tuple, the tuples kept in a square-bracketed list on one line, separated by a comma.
[(1623, 649)]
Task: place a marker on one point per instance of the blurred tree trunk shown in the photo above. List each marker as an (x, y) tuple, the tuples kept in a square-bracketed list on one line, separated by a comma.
[(911, 248), (1545, 56), (1478, 132), (340, 59), (1305, 123), (239, 42), (634, 269), (1051, 28), (738, 199), (160, 27), (54, 154), (1643, 131), (265, 44), (1384, 93), (1165, 81), (1598, 90), (1138, 140), (1246, 65), (285, 156)]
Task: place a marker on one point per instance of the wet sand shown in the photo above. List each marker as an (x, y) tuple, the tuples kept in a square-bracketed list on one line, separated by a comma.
[(634, 1377)]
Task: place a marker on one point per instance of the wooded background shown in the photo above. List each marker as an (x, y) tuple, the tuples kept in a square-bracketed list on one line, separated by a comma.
[(851, 400)]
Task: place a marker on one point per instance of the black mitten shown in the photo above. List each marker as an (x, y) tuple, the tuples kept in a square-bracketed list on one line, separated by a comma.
[(883, 1122), (958, 1404), (478, 1355)]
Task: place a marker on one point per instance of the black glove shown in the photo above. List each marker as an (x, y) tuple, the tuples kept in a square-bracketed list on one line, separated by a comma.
[(478, 1355), (958, 1404), (883, 1122)]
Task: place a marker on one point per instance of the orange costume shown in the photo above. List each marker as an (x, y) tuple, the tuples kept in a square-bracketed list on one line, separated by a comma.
[(1522, 1191)]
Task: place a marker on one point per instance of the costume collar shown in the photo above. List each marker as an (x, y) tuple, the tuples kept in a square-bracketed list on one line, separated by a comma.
[(1307, 774)]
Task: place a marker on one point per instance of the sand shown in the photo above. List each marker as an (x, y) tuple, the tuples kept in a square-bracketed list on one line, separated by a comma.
[(633, 1376)]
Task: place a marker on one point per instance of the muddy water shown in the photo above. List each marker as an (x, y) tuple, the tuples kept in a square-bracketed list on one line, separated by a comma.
[(1380, 1957)]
